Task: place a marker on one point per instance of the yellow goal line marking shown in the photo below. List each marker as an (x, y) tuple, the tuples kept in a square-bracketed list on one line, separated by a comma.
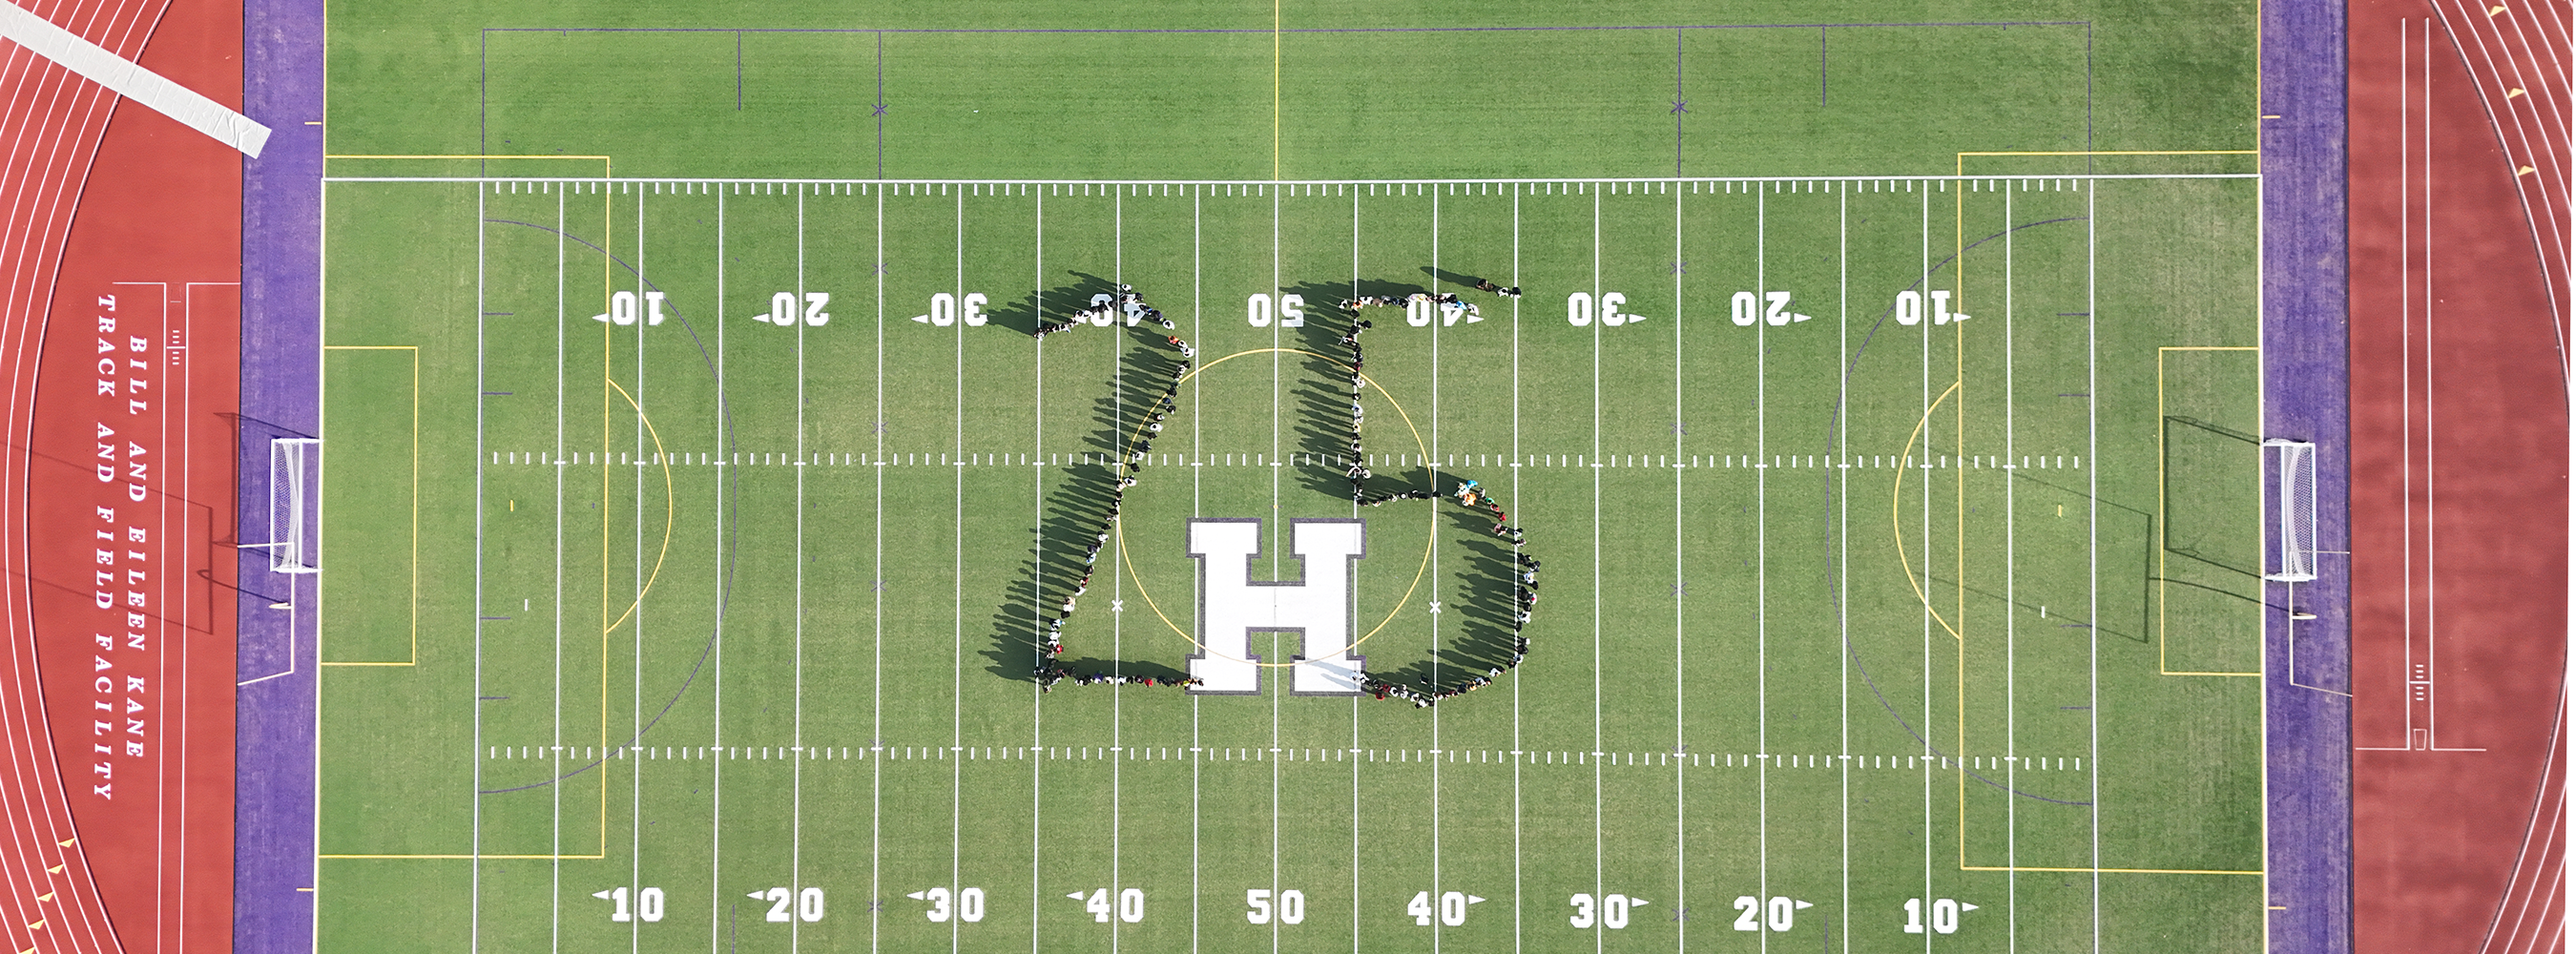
[(415, 501), (2161, 556), (670, 505)]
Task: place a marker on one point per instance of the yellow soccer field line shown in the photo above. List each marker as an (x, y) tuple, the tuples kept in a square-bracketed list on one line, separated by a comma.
[(2183, 871), (465, 857), (415, 501), (1120, 528), (607, 165), (1895, 510), (670, 510), (1961, 778), (670, 505), (2161, 557)]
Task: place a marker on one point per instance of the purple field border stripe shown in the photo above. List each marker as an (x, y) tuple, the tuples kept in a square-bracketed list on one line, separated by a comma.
[(2307, 712), (1470, 29), (274, 866)]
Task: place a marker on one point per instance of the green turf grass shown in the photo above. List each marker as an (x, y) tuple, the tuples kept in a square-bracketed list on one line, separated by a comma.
[(1692, 656)]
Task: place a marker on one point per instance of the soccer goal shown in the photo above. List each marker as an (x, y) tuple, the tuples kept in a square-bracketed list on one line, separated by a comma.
[(294, 472), (2296, 463)]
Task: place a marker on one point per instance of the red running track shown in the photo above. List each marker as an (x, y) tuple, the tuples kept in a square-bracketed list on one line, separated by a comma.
[(2459, 124), (115, 489)]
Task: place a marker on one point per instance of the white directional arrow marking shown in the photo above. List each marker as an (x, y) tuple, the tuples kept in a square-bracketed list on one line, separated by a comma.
[(1965, 906), (924, 319), (1077, 895), (1472, 899), (917, 895), (1804, 905), (1804, 317)]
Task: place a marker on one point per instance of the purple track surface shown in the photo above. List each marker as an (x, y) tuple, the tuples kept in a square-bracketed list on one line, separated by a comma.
[(273, 823), (2307, 716)]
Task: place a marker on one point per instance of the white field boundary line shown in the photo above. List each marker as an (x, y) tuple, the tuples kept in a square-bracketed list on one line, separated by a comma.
[(1264, 185), (1101, 750)]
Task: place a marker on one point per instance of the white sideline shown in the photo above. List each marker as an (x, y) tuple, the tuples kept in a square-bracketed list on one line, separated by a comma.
[(130, 80)]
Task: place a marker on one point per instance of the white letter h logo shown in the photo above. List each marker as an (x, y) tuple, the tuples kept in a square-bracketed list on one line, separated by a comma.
[(1232, 605)]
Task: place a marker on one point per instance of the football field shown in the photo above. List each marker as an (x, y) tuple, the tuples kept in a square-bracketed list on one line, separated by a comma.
[(1900, 505)]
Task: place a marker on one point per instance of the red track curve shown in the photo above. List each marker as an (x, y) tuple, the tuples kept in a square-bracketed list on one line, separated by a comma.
[(2459, 327)]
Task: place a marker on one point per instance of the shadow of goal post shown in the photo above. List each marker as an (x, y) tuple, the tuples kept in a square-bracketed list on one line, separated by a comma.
[(2295, 463)]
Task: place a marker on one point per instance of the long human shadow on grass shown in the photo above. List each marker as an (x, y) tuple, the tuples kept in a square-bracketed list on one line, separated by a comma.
[(1076, 512), (1480, 607)]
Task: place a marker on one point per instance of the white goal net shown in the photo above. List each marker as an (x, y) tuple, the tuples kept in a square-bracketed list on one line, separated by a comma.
[(294, 478), (2296, 464)]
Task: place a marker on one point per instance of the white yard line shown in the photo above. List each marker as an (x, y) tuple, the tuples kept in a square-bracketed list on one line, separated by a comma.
[(555, 795), (474, 892), (1925, 490), (1517, 761), (1597, 938), (876, 611), (1355, 703), (1117, 621), (1432, 474), (1197, 328), (1286, 676), (715, 786), (1037, 590), (1681, 844), (1842, 454), (957, 605), (796, 783), (2093, 549), (2012, 806), (1762, 547), (635, 776)]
